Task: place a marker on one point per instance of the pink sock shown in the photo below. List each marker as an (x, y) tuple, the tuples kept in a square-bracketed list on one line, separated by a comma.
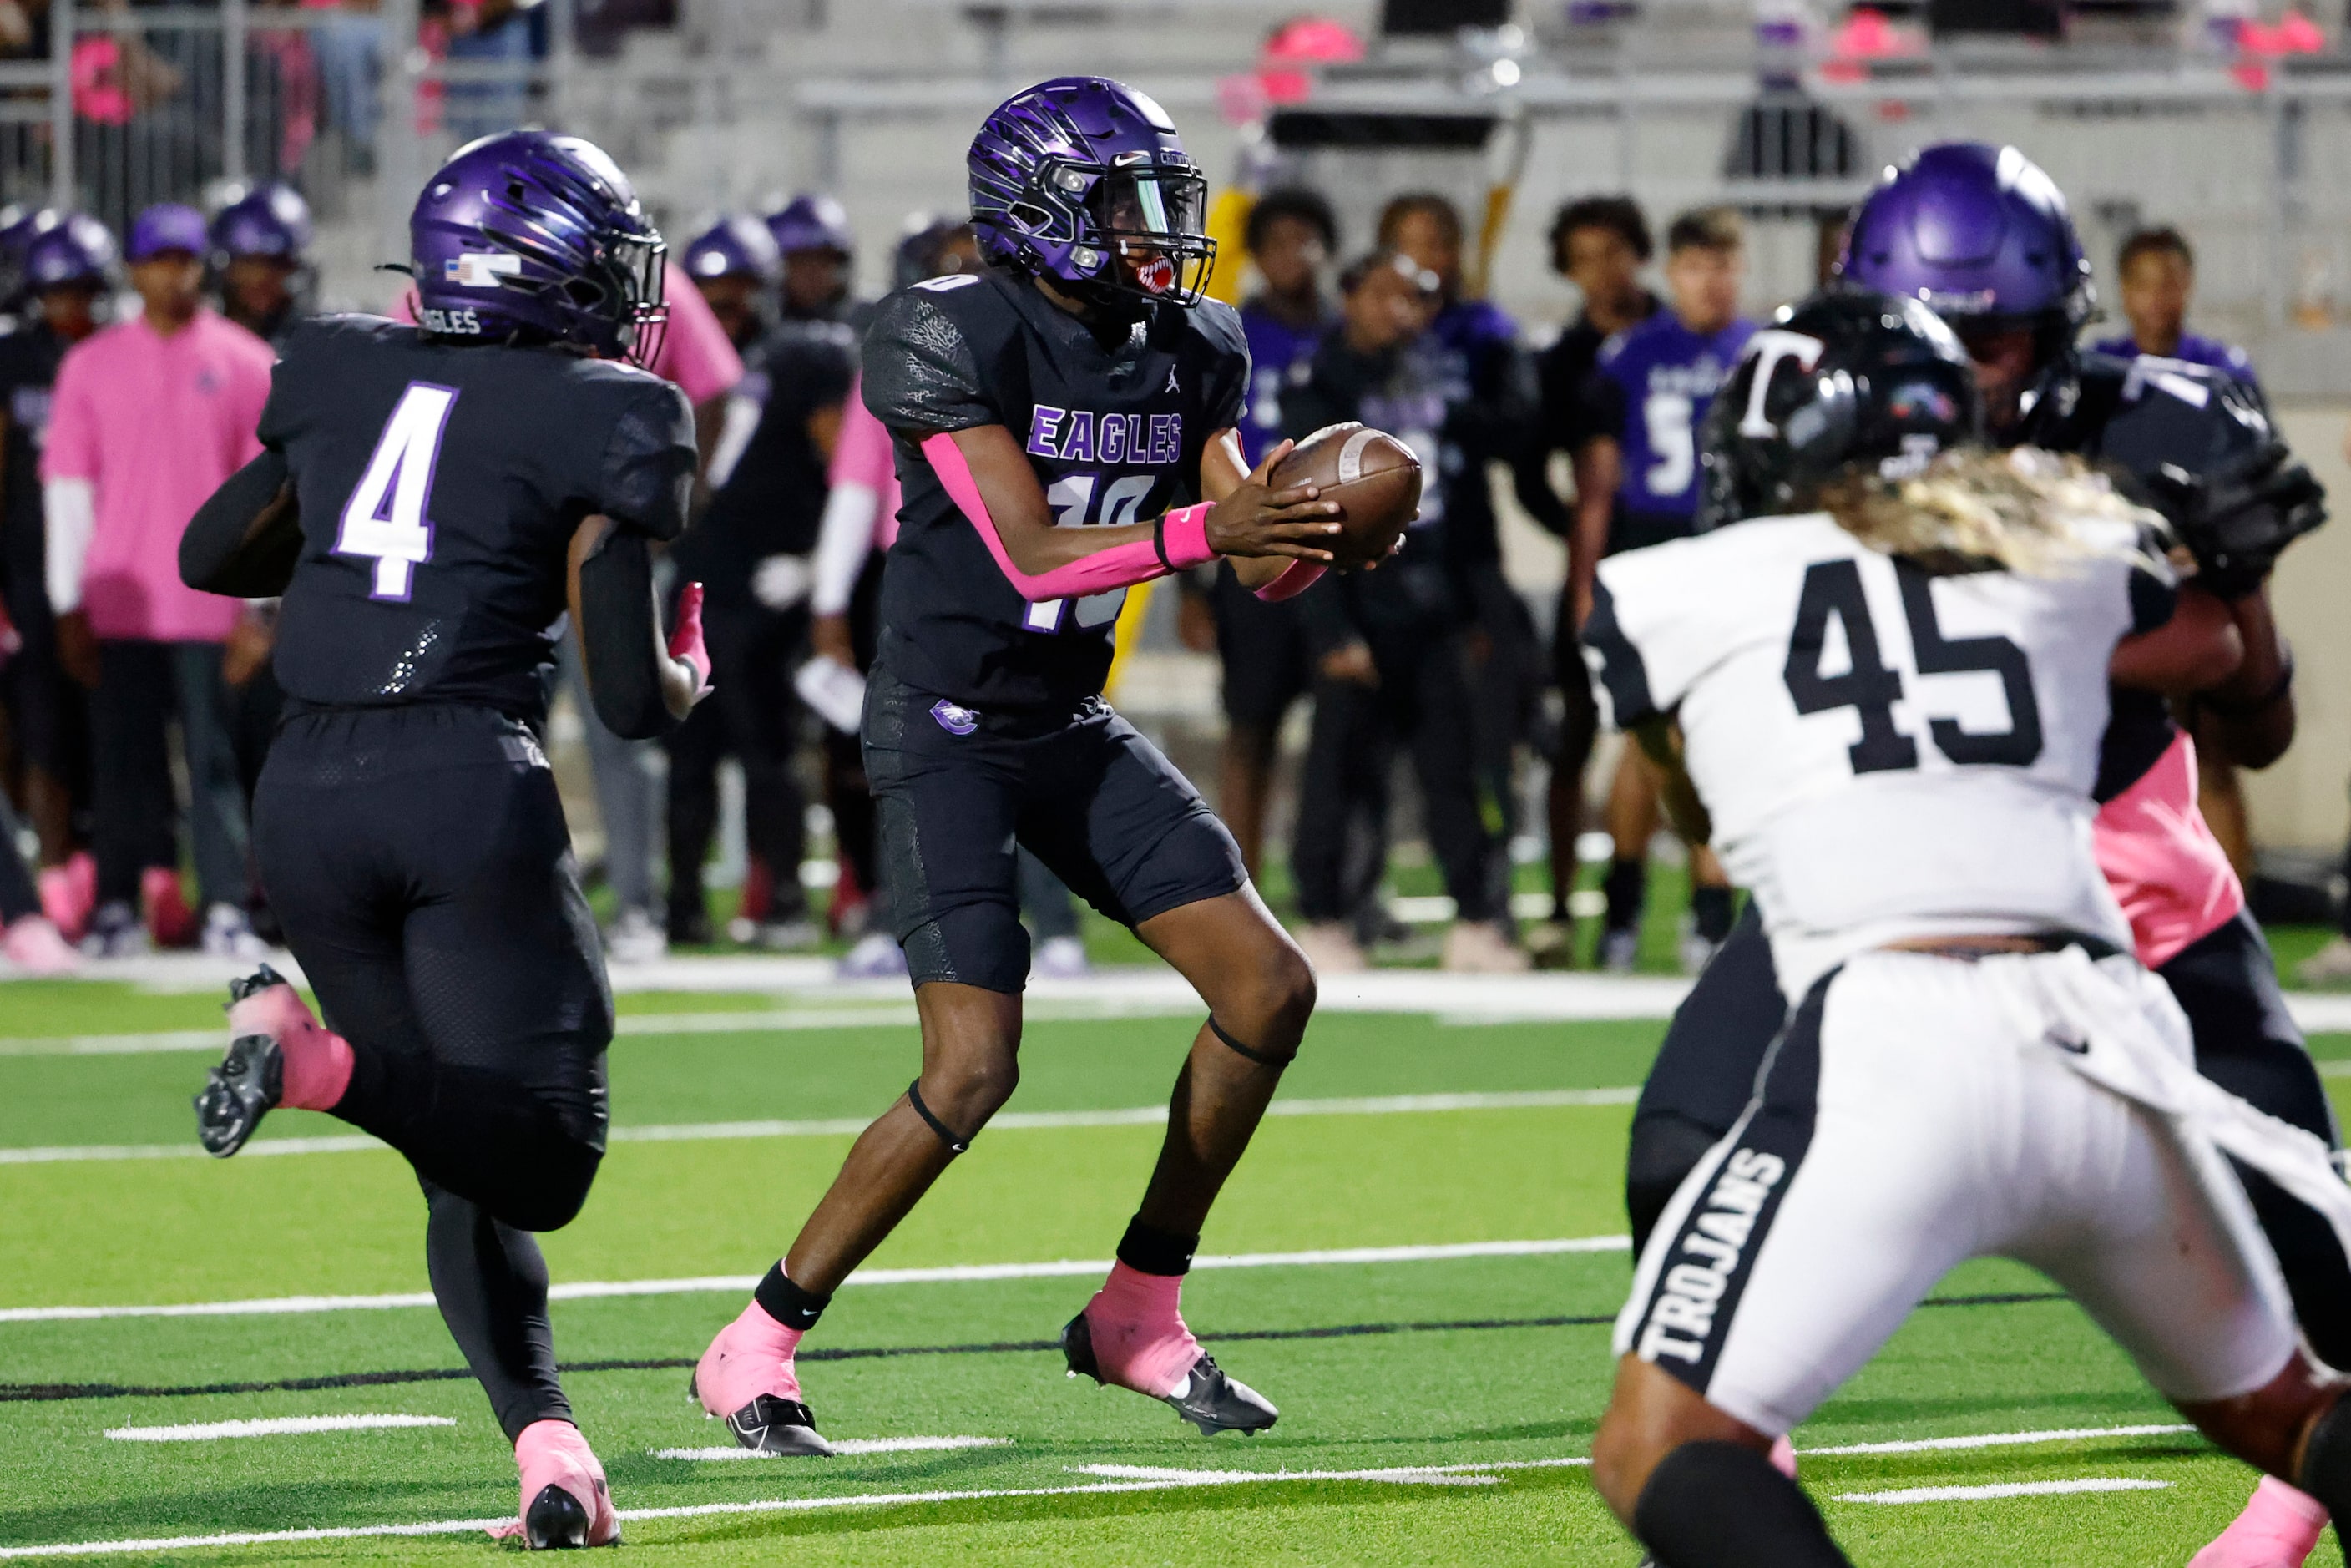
[(553, 1453), (318, 1061), (1139, 1337), (2278, 1525), (751, 1356)]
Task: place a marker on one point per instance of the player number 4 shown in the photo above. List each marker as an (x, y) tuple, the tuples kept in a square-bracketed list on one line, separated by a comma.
[(1870, 687), (384, 520)]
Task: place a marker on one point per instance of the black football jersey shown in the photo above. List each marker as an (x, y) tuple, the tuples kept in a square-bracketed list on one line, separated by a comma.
[(1115, 435), (772, 499), (28, 370), (439, 487), (2133, 415)]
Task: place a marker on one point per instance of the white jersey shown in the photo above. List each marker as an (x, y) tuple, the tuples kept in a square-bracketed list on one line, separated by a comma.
[(1885, 753)]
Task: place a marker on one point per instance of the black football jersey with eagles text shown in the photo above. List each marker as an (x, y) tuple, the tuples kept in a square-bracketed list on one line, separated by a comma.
[(1115, 435)]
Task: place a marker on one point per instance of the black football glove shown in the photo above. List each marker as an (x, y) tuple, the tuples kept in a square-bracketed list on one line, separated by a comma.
[(2237, 518)]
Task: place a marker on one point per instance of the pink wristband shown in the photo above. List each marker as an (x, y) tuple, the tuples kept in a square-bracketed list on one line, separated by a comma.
[(1181, 539)]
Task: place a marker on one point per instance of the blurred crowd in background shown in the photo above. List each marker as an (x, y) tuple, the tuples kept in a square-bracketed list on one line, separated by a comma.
[(1440, 705)]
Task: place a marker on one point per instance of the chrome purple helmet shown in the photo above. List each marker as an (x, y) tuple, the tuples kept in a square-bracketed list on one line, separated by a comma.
[(535, 237), (20, 224), (1084, 180), (1974, 231), (270, 220), (811, 222), (733, 246), (78, 250)]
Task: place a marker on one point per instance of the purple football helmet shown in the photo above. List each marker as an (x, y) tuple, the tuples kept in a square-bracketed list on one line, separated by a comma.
[(20, 224), (733, 246), (270, 220), (813, 221), (166, 226), (78, 251), (535, 237), (1084, 180)]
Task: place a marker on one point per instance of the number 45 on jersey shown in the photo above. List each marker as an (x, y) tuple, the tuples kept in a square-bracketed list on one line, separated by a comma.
[(384, 520)]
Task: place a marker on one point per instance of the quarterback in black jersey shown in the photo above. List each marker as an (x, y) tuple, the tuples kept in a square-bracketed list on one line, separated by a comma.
[(1064, 429), (1984, 237), (431, 501)]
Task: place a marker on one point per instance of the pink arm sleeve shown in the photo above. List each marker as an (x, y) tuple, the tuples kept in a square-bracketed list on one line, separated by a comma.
[(1295, 578), (1184, 533)]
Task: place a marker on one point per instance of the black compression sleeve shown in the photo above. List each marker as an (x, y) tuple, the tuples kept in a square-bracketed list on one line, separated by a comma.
[(618, 638), (245, 539)]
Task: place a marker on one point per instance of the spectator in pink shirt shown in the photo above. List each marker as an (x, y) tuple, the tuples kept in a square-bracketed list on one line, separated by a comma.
[(149, 417)]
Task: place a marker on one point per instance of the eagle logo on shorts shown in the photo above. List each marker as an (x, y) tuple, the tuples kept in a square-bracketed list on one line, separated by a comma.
[(954, 718)]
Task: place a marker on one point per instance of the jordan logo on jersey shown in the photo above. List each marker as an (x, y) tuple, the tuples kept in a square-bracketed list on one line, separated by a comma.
[(1718, 1233), (1081, 435)]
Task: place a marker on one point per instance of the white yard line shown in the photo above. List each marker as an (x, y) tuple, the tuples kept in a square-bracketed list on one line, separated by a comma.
[(275, 1427), (961, 1273), (2003, 1488), (848, 1126), (851, 1447), (1113, 1479), (1996, 1440)]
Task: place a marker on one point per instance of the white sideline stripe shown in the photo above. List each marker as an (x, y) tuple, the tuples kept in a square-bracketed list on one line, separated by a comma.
[(959, 1274), (843, 1126), (276, 1426), (1168, 1481), (850, 1445), (2003, 1488), (1996, 1440)]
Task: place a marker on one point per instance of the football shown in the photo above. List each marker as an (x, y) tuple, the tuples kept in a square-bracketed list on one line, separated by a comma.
[(1370, 474)]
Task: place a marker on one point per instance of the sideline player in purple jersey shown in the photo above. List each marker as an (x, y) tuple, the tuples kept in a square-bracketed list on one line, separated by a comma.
[(1260, 647), (431, 500), (1064, 424), (1649, 399), (2158, 273)]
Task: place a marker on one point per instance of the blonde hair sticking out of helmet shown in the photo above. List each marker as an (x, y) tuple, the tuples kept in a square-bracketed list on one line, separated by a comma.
[(2033, 512)]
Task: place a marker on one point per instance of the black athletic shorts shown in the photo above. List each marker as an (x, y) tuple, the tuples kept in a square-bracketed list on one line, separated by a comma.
[(953, 791), (1262, 647), (419, 859)]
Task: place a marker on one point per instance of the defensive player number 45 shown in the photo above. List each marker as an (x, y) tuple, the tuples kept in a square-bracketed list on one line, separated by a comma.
[(384, 520), (1870, 687), (1072, 499)]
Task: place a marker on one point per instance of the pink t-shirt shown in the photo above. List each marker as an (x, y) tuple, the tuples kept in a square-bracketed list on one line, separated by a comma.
[(2169, 872), (696, 354), (862, 455), (155, 423)]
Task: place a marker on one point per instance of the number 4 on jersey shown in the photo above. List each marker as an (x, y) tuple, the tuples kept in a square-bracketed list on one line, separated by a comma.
[(384, 520)]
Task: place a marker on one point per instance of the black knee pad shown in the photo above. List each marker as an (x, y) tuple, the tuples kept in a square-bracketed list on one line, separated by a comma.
[(1664, 1150), (1721, 1505), (551, 1192)]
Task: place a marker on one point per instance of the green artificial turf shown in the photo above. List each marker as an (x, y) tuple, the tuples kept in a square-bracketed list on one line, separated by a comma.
[(1456, 1363)]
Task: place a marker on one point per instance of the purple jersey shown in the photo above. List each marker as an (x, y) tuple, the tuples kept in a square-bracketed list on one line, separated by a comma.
[(2226, 358), (1651, 391), (1280, 358)]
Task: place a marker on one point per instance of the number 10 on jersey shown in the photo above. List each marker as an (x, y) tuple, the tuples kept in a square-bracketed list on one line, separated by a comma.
[(384, 520)]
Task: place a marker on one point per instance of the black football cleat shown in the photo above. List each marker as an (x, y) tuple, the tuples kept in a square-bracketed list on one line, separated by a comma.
[(555, 1521), (238, 1093), (772, 1424), (1209, 1399)]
